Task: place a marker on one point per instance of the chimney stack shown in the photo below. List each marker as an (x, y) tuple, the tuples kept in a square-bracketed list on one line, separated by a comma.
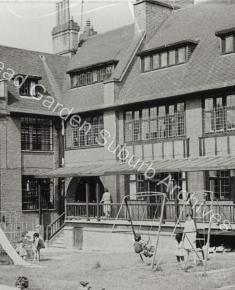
[(87, 32), (150, 14), (65, 33)]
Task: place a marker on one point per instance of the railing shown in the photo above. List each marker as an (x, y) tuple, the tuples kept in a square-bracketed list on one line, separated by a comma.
[(142, 211), (55, 226)]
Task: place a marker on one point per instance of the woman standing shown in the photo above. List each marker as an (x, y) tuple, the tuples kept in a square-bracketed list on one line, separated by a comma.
[(106, 200), (189, 238)]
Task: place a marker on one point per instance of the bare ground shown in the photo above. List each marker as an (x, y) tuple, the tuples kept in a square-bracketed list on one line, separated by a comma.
[(63, 270)]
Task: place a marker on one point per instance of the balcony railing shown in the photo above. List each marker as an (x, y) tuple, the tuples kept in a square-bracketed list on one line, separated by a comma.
[(149, 211)]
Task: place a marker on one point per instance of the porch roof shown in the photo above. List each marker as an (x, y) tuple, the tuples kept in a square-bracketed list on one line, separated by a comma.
[(174, 165)]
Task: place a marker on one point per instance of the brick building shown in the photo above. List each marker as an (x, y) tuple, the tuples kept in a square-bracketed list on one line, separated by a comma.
[(161, 89)]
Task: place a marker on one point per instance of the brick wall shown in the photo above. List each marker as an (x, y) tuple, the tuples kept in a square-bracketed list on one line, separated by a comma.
[(149, 16), (14, 164)]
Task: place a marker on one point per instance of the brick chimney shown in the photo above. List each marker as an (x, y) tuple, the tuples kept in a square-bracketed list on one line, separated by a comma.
[(88, 31), (65, 33), (150, 14)]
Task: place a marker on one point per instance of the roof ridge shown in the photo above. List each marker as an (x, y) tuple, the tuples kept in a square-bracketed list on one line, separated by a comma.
[(33, 51), (110, 31)]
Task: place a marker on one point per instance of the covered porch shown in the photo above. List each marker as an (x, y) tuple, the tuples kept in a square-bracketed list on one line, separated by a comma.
[(89, 178)]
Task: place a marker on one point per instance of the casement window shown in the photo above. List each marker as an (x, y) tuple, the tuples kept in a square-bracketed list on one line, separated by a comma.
[(167, 57), (30, 193), (157, 122), (181, 55), (96, 75), (227, 40), (220, 183), (228, 44), (27, 86), (36, 134), (86, 134), (222, 190), (219, 114)]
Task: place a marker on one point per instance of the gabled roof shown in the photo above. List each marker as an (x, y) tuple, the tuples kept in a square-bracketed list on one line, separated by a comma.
[(207, 68), (116, 45), (102, 48), (49, 67)]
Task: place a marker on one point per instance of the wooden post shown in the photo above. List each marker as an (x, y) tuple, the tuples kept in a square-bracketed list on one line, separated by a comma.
[(87, 200), (39, 205), (159, 231), (98, 201)]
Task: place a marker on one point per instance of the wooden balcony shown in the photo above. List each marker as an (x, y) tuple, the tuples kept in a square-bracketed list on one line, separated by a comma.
[(146, 212)]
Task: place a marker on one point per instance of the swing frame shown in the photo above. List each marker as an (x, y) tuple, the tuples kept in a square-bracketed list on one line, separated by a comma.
[(187, 202), (145, 194)]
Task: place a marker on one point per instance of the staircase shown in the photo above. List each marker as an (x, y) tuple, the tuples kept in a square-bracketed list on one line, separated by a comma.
[(57, 241), (55, 232)]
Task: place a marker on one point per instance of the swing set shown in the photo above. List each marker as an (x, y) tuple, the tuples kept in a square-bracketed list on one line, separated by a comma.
[(152, 205), (153, 215)]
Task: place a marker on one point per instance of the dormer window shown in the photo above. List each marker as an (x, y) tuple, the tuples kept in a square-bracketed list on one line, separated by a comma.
[(228, 45), (166, 56), (227, 37), (27, 85), (88, 76)]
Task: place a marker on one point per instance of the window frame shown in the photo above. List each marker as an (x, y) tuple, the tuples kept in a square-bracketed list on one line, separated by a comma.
[(86, 77), (31, 130), (78, 137), (216, 113), (159, 54), (223, 43), (30, 194), (154, 125)]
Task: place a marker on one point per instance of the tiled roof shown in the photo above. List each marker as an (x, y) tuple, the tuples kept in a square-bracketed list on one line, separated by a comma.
[(118, 45), (102, 48), (206, 69), (51, 69)]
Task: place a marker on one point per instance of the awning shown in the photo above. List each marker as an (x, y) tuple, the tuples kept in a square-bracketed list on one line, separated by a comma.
[(192, 164)]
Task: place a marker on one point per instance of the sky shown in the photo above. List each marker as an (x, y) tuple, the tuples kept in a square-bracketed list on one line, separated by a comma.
[(28, 24)]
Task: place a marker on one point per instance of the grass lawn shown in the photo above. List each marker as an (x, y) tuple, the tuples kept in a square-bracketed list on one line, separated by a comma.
[(63, 270)]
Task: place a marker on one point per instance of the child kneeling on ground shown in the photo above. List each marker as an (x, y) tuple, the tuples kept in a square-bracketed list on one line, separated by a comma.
[(143, 247)]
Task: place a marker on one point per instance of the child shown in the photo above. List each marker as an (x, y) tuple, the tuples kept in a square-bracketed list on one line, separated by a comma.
[(142, 247), (22, 283), (20, 249), (36, 247), (180, 252)]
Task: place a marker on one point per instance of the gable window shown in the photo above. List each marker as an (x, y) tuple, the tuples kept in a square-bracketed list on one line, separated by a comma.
[(30, 194), (87, 134), (88, 77), (157, 122), (36, 134), (219, 114), (165, 57)]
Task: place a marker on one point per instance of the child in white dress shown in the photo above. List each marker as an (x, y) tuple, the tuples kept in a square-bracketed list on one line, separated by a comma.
[(180, 251)]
